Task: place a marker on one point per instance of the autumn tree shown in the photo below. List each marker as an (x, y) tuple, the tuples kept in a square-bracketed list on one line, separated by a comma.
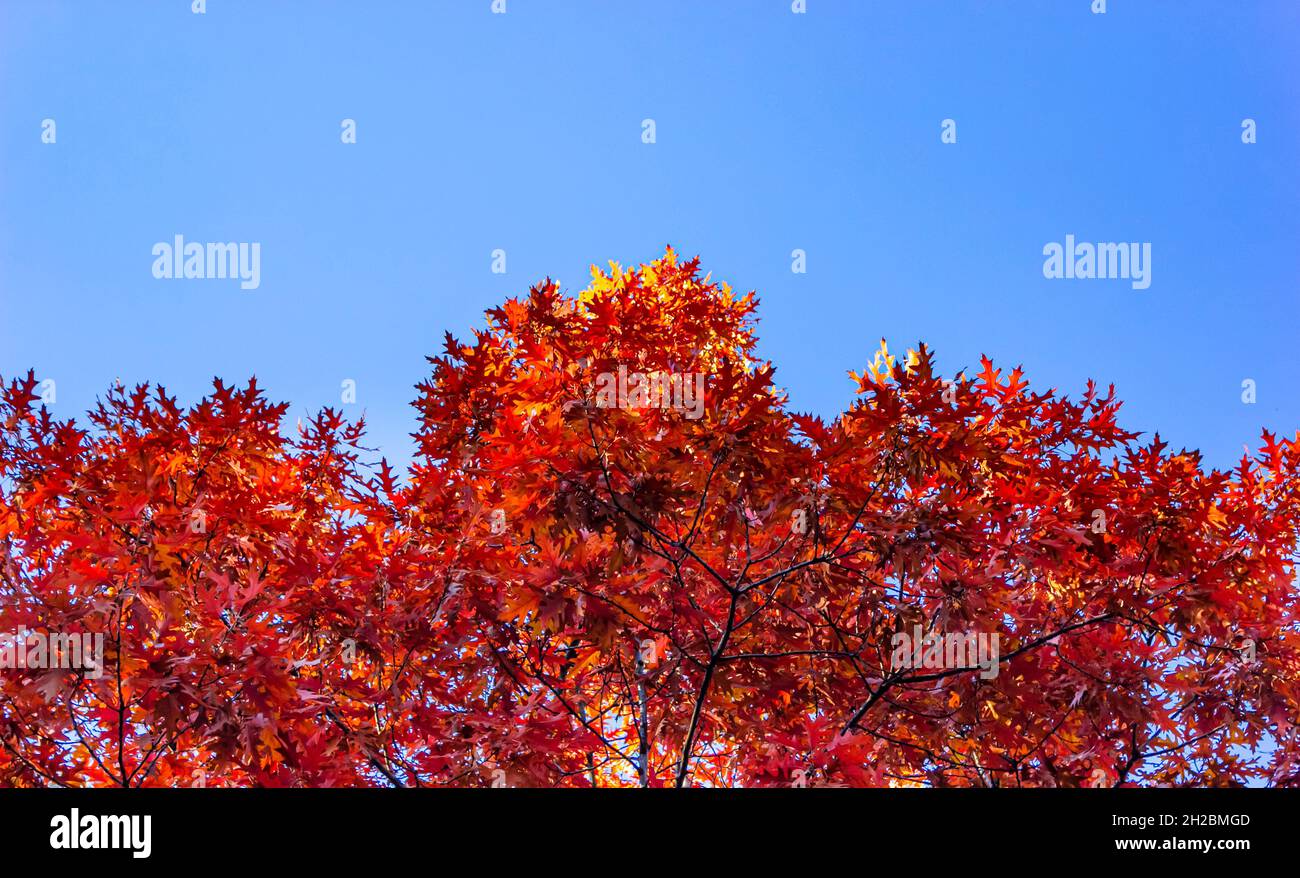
[(621, 558), (201, 546), (715, 599)]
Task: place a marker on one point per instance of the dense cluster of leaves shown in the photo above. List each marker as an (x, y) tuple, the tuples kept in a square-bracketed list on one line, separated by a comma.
[(567, 593)]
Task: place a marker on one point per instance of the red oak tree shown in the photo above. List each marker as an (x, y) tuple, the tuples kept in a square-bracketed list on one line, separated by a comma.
[(621, 559)]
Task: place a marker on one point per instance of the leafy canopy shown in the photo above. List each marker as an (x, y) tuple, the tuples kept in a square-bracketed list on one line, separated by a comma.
[(564, 592)]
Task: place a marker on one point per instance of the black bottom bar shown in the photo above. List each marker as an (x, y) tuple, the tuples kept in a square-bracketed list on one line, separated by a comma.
[(511, 827)]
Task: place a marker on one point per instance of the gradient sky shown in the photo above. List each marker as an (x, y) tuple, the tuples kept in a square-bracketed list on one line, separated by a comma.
[(775, 131)]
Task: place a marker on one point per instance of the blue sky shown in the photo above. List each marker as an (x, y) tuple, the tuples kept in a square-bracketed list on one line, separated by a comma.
[(775, 131)]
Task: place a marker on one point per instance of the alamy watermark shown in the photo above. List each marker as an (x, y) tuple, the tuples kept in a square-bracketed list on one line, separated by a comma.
[(952, 650), (77, 831), (680, 391), (38, 650), (1111, 261), (179, 260)]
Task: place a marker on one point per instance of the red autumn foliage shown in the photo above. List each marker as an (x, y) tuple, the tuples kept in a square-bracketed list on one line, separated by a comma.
[(577, 587)]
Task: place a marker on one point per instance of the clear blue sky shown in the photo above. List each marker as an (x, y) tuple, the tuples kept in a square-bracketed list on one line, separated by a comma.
[(775, 131)]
